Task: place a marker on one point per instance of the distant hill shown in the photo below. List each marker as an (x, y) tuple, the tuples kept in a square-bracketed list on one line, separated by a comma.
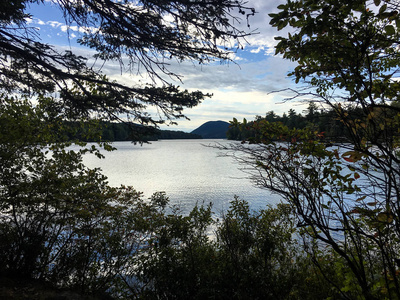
[(212, 130)]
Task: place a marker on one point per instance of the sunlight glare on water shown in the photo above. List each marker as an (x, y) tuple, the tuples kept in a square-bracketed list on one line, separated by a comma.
[(186, 170)]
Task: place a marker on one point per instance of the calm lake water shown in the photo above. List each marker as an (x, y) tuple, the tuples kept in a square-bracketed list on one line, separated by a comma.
[(186, 170)]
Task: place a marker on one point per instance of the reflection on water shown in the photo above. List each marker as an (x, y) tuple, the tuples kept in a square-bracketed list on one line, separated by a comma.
[(186, 170)]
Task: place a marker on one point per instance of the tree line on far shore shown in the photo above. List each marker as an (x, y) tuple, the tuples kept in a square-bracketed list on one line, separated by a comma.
[(113, 132), (327, 122)]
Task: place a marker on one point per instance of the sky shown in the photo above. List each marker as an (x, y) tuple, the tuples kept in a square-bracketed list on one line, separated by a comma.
[(241, 89)]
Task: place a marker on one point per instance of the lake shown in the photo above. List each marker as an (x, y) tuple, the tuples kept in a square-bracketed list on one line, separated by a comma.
[(187, 170)]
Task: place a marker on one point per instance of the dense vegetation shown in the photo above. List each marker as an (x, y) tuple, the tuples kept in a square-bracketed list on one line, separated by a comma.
[(345, 198), (336, 236), (323, 121), (63, 225)]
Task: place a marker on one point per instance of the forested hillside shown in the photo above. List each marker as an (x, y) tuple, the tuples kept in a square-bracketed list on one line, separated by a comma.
[(212, 130)]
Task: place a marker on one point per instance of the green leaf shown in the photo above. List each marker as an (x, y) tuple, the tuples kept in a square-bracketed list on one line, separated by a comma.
[(382, 9), (390, 30), (385, 217), (361, 198)]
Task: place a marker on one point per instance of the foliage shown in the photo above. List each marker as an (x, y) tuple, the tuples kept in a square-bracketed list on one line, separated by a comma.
[(254, 256), (143, 35), (316, 118), (61, 223), (345, 197), (258, 247)]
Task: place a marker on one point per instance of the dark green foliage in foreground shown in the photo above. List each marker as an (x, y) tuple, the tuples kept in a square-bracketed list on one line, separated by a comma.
[(60, 222), (62, 226), (345, 198), (254, 256)]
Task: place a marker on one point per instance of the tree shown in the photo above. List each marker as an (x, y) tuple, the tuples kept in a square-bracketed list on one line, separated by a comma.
[(271, 116), (312, 113), (250, 247), (344, 197), (61, 222), (135, 34)]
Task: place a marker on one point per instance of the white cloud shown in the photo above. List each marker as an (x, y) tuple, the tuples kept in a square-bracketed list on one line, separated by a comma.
[(241, 89), (257, 50), (264, 39), (226, 105), (64, 28), (54, 24)]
